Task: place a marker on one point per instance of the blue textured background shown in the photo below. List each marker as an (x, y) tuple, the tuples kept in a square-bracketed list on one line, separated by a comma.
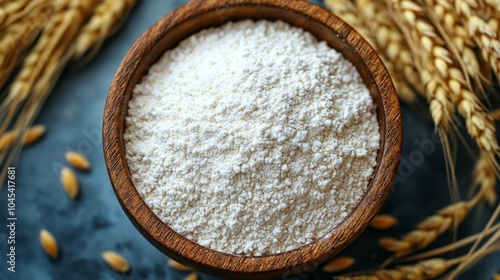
[(95, 222)]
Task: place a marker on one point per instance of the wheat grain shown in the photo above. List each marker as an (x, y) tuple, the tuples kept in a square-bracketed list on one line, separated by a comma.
[(441, 107), (175, 265), (115, 261), (33, 134), (69, 182), (383, 222), (403, 89), (489, 10), (49, 243), (338, 264), (9, 12), (486, 38), (496, 277), (192, 276), (8, 139), (77, 160), (104, 22)]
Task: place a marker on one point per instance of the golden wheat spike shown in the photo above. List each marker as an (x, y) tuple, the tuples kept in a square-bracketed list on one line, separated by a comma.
[(484, 35), (439, 61), (442, 14), (430, 228), (10, 11), (41, 68), (104, 22), (390, 41), (348, 12), (428, 269), (18, 36)]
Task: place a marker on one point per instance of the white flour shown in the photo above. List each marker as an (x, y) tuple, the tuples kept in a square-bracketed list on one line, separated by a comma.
[(252, 138)]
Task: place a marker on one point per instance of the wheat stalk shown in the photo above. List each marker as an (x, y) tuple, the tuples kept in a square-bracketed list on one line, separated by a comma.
[(105, 21), (473, 256)]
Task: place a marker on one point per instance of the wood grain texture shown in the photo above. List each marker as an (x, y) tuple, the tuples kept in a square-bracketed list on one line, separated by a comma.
[(201, 14)]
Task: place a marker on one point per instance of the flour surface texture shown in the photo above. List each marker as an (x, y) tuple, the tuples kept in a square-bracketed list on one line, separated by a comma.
[(252, 138)]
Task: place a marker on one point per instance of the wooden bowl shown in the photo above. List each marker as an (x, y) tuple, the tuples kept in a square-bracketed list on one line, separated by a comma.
[(200, 14)]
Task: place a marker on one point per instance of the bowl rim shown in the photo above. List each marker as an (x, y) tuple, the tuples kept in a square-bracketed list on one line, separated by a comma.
[(207, 260)]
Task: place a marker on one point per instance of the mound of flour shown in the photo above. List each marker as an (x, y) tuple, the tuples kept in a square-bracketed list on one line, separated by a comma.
[(252, 138)]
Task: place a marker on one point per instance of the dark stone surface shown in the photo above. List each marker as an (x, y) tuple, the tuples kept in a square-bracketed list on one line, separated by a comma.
[(95, 222)]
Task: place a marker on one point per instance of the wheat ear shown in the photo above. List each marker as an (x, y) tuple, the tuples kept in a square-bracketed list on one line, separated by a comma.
[(427, 269), (41, 68), (452, 246), (9, 12), (390, 41), (429, 229), (18, 36), (485, 177), (348, 12), (105, 21), (487, 39), (483, 34), (440, 61), (441, 106), (494, 4), (453, 31), (490, 9)]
